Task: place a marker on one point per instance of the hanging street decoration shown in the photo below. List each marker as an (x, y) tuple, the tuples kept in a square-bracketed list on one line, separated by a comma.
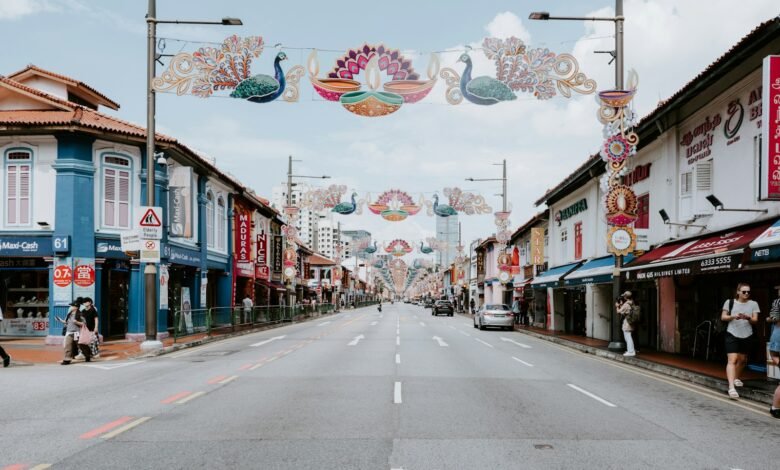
[(503, 235), (538, 71), (398, 248), (322, 198), (215, 69), (425, 249), (440, 210), (290, 256), (466, 202), (394, 205), (619, 146)]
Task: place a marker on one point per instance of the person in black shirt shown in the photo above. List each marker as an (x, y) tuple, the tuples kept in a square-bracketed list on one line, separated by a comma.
[(91, 319)]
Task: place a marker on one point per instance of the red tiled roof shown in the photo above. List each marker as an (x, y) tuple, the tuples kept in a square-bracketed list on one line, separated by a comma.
[(319, 260), (536, 218), (39, 71), (51, 99)]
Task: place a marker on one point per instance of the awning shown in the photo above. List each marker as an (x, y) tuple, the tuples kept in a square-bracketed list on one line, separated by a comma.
[(715, 252), (595, 271), (520, 284), (551, 277), (278, 286), (766, 247)]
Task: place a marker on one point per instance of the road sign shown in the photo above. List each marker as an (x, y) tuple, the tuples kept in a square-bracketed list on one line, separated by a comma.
[(150, 251), (130, 241), (150, 223)]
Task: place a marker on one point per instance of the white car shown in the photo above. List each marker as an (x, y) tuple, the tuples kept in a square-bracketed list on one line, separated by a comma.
[(498, 315)]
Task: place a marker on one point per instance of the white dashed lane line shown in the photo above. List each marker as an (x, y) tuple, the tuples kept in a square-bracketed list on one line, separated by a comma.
[(595, 397), (484, 342)]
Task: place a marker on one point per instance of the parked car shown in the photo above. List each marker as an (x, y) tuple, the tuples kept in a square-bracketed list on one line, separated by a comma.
[(442, 306), (499, 315)]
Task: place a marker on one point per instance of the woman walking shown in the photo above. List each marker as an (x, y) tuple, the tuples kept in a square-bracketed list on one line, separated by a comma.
[(73, 321), (740, 314), (774, 349)]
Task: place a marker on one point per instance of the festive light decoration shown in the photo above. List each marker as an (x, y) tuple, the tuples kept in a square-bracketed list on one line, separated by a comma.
[(398, 248), (394, 205), (538, 71), (466, 202), (322, 198), (211, 69), (619, 145)]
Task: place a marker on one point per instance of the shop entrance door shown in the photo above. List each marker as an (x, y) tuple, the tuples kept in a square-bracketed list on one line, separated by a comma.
[(646, 334), (115, 302), (574, 304)]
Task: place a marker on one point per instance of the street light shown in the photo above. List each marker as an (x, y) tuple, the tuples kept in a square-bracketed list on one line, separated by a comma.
[(502, 179), (719, 206), (150, 271)]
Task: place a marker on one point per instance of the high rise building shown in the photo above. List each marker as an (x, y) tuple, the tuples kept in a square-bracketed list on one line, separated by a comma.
[(447, 235)]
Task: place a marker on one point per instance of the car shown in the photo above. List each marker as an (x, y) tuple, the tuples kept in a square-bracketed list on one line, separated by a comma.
[(428, 303), (442, 306), (499, 315)]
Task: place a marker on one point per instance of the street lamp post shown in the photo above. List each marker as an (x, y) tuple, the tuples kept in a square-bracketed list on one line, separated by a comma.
[(503, 183), (150, 271), (617, 54)]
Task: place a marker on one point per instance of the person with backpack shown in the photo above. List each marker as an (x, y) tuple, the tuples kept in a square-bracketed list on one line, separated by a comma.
[(629, 313), (774, 349), (740, 314)]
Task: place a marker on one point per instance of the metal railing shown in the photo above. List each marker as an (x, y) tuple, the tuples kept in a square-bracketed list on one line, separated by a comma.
[(229, 319)]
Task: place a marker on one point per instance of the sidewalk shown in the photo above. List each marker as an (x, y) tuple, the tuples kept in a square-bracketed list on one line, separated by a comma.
[(706, 373)]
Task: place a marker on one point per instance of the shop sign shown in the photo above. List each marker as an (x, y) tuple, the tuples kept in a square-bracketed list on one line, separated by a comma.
[(245, 269), (537, 246), (25, 246), (62, 293), (243, 236), (61, 244), (180, 203), (110, 249), (770, 157), (704, 266), (277, 254), (262, 272), (480, 263), (179, 255), (262, 248), (30, 326), (84, 277), (164, 281), (572, 210)]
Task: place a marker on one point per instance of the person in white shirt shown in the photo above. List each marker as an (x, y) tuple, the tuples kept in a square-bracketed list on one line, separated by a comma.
[(740, 314), (247, 304)]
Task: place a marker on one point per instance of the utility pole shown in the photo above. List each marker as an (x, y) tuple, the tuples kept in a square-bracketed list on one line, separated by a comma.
[(503, 191)]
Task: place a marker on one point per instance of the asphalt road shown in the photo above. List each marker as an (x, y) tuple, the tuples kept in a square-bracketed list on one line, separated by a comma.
[(364, 390)]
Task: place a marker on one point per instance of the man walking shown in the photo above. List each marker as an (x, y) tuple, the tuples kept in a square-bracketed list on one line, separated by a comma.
[(247, 307), (3, 354)]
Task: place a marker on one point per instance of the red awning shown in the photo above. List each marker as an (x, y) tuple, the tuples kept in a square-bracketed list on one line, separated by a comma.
[(720, 251)]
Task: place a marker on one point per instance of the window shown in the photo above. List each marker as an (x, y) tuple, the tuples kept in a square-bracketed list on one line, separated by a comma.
[(116, 192), (578, 240), (643, 211), (686, 195), (18, 180), (210, 235), (703, 187), (222, 224), (564, 247)]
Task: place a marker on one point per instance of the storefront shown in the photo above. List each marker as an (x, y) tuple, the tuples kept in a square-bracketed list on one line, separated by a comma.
[(24, 285), (112, 268), (183, 273), (549, 300)]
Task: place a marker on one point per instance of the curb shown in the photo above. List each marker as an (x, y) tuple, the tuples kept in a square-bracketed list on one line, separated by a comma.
[(713, 383)]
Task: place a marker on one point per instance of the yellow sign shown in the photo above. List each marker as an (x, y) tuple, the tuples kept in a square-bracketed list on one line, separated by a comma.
[(537, 246)]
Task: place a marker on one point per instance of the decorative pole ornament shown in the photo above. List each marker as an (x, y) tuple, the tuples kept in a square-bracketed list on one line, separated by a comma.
[(619, 146)]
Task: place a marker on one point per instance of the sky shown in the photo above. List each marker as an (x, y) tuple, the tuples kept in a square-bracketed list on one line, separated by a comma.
[(421, 149)]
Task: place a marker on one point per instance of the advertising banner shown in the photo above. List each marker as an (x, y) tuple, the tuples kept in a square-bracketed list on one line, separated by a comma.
[(180, 202), (243, 236), (84, 277), (277, 254), (164, 278), (63, 281), (537, 246), (185, 320), (770, 154)]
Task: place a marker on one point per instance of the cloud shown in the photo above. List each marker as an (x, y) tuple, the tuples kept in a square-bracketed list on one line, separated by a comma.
[(507, 24), (15, 9)]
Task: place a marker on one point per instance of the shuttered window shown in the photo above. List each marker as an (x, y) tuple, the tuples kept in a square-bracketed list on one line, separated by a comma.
[(221, 224), (703, 187), (210, 235), (116, 192), (18, 185), (686, 195)]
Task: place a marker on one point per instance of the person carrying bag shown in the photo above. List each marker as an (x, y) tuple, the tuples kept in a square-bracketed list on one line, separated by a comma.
[(740, 314)]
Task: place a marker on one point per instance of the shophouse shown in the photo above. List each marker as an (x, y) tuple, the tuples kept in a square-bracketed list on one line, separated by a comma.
[(494, 292), (472, 275), (531, 241)]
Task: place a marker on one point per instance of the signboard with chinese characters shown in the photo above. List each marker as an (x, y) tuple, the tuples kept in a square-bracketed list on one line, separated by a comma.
[(537, 246), (84, 277), (770, 155)]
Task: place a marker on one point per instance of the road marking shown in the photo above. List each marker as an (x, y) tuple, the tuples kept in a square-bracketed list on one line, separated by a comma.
[(258, 365), (397, 393), (374, 323), (397, 340), (173, 398), (515, 342), (422, 324), (190, 397), (595, 397), (484, 342), (228, 380), (522, 361), (105, 427), (216, 379), (464, 333), (356, 340), (267, 341), (440, 341), (398, 331), (126, 427), (324, 323), (397, 358), (246, 367), (112, 366), (42, 466)]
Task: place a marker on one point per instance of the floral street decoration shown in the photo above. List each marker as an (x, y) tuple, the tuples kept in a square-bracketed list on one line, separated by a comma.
[(394, 205), (619, 146), (518, 69), (228, 67), (398, 248), (466, 202), (503, 235), (322, 198)]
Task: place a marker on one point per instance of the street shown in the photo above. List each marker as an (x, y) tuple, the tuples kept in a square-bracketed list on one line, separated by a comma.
[(370, 390)]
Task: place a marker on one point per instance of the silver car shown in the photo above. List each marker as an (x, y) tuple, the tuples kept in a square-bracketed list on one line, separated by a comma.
[(494, 315)]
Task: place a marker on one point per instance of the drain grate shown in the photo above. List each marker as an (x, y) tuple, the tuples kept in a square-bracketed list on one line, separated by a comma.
[(542, 446)]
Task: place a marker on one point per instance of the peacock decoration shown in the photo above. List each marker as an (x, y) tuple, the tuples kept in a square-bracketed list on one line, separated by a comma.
[(346, 208), (425, 249), (442, 210), (228, 67), (538, 71), (371, 249)]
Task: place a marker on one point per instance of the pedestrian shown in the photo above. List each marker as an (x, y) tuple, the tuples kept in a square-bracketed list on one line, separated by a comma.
[(774, 349), (625, 308), (3, 354), (473, 306), (73, 321), (516, 310), (90, 314), (741, 314), (247, 308)]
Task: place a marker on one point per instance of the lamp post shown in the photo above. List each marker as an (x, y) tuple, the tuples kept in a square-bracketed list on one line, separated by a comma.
[(617, 54), (150, 271), (503, 183)]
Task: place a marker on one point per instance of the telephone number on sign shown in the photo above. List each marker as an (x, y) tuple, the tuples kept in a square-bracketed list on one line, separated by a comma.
[(719, 261)]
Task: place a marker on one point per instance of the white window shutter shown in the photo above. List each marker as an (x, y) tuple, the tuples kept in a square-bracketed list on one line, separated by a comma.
[(703, 188), (109, 197), (222, 227), (210, 236), (24, 194), (12, 197), (686, 195), (123, 199)]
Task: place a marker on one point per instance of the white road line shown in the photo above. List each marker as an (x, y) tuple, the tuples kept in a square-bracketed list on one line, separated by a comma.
[(397, 358), (267, 341), (228, 380), (464, 333), (42, 466), (484, 342), (397, 393), (374, 323), (522, 362), (595, 397), (398, 331), (190, 397), (126, 427), (422, 324), (515, 342), (116, 365), (356, 340), (397, 340), (324, 323), (440, 341)]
